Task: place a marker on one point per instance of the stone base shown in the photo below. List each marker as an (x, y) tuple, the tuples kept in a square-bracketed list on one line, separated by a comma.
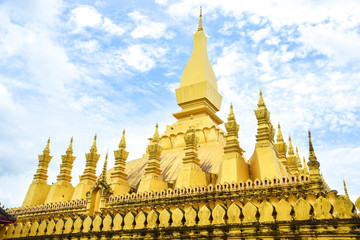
[(60, 192), (190, 175), (152, 183)]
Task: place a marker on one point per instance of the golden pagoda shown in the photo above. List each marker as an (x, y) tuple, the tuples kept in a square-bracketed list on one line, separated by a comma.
[(193, 182)]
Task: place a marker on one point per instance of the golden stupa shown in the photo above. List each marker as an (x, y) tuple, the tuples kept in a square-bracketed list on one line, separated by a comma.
[(193, 182)]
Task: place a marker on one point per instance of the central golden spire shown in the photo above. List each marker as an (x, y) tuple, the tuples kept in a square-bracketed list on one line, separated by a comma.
[(198, 93)]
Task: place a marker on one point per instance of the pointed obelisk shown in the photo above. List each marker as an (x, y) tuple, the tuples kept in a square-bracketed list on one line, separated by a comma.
[(298, 162), (316, 179), (153, 181), (62, 189), (264, 162), (313, 164), (190, 173), (306, 171), (198, 92), (281, 147), (39, 188), (233, 167), (118, 178), (345, 190), (88, 178), (291, 160)]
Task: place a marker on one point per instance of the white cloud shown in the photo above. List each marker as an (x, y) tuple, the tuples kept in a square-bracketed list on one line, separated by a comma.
[(112, 28), (87, 16), (341, 45), (161, 2), (172, 86), (227, 28), (90, 46), (261, 34), (232, 61), (141, 57), (146, 28)]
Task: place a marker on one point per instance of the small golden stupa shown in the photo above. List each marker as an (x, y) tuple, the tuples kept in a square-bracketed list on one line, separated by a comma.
[(193, 182)]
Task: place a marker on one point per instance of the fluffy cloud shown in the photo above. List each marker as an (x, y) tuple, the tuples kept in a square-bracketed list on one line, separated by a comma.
[(87, 16), (139, 57), (146, 28), (333, 40)]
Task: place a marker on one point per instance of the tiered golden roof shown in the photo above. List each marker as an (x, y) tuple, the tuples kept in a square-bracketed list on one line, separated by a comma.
[(192, 182)]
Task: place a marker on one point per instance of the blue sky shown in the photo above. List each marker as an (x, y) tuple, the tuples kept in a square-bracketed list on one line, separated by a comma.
[(76, 68)]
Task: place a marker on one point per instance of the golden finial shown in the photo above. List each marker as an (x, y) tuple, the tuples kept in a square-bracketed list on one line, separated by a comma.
[(200, 28), (156, 137), (306, 171), (47, 148), (70, 145), (298, 158), (310, 142), (261, 102), (231, 114), (312, 156), (105, 163), (345, 190), (122, 143), (291, 150), (93, 147), (94, 144), (279, 137), (103, 173)]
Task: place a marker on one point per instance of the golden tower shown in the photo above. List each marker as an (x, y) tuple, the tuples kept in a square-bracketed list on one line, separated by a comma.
[(234, 167), (153, 180), (118, 177), (264, 162), (193, 182), (39, 188), (88, 178), (62, 189)]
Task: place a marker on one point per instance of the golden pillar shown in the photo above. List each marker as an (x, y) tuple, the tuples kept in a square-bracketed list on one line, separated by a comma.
[(190, 173), (314, 165), (63, 190), (291, 160), (153, 180), (281, 147), (118, 178), (264, 162), (233, 167), (39, 188), (88, 178)]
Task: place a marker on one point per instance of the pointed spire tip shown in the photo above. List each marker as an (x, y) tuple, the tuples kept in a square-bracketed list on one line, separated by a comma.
[(261, 102), (345, 189), (200, 28)]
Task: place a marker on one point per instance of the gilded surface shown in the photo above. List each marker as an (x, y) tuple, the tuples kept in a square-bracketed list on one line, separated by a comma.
[(193, 182)]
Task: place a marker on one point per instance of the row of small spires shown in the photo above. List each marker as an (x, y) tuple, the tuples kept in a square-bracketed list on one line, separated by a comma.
[(156, 140)]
